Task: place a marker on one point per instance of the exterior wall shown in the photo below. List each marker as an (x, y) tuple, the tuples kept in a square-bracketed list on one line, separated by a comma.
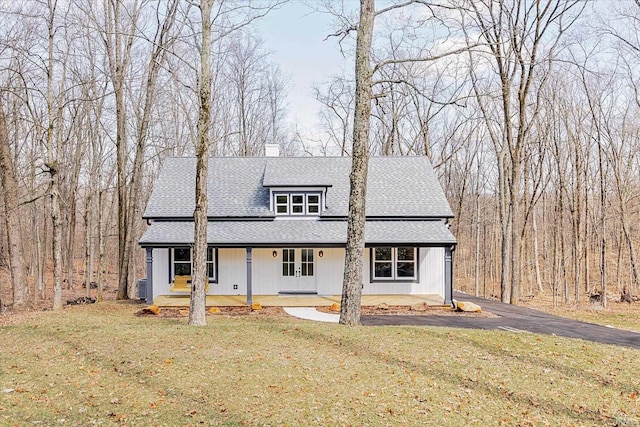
[(232, 272), (160, 271), (330, 271), (430, 276), (267, 273)]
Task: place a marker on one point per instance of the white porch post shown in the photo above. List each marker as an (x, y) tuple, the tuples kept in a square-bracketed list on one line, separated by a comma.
[(249, 277)]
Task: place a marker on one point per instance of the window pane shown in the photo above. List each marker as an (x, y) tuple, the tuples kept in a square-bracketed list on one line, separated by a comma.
[(182, 254), (382, 269), (282, 209), (309, 270), (406, 269), (182, 269), (210, 270), (281, 200), (296, 208), (292, 269), (313, 198), (309, 254), (285, 269), (382, 254), (297, 199), (406, 254), (210, 252), (313, 209), (288, 255), (304, 255), (304, 269)]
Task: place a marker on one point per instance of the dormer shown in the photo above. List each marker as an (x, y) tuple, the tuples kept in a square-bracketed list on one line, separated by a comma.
[(295, 191)]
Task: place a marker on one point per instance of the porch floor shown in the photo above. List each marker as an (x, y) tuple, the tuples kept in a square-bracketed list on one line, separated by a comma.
[(296, 300)]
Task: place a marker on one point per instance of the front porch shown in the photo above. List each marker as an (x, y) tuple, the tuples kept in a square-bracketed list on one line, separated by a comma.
[(297, 300)]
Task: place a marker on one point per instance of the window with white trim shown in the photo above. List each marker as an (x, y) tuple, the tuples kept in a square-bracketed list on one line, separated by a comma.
[(392, 264), (297, 204), (282, 204), (313, 204), (182, 262)]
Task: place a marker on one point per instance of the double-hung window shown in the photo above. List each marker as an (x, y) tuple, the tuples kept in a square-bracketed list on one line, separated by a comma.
[(282, 204), (182, 263), (313, 204), (392, 264)]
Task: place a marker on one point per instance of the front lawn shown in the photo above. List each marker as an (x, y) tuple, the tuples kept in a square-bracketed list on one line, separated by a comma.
[(100, 364)]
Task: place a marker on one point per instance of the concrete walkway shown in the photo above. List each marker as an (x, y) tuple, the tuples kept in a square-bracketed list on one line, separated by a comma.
[(515, 319), (310, 313)]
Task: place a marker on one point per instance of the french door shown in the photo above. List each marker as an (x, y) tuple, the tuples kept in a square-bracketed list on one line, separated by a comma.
[(298, 271)]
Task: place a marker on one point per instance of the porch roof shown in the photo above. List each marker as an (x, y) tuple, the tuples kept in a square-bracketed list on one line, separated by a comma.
[(300, 233)]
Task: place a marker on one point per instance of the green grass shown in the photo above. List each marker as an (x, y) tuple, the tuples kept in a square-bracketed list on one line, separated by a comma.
[(629, 321), (101, 365)]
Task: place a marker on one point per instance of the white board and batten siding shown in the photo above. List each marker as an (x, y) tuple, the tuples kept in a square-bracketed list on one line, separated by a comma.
[(267, 273), (430, 278)]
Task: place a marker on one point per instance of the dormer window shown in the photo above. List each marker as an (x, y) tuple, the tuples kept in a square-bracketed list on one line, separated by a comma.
[(297, 204)]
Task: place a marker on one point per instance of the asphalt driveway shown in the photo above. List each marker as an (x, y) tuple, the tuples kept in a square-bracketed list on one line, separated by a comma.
[(515, 319)]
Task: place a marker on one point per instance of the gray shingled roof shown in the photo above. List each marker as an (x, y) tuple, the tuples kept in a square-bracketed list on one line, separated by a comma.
[(239, 186), (282, 232)]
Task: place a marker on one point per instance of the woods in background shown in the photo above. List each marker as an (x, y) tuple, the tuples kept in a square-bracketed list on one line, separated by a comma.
[(529, 110)]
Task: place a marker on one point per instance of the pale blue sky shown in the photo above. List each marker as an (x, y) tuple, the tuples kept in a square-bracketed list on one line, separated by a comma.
[(295, 34)]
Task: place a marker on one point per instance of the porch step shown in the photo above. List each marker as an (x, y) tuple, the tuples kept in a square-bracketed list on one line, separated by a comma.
[(296, 292)]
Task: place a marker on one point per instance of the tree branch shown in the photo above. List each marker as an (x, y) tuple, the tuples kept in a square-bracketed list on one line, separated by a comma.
[(379, 65)]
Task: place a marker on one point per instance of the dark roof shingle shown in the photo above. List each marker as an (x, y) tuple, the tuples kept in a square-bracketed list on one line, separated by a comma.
[(282, 232)]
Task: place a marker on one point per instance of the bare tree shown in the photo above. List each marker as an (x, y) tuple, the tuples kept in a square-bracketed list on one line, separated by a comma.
[(353, 263), (12, 216), (197, 314), (521, 38)]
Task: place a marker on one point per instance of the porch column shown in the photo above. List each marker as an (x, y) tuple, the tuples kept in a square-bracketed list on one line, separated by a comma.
[(249, 277), (448, 274), (149, 285)]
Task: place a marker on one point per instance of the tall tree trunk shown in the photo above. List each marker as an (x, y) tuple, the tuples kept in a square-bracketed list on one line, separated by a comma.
[(12, 217), (354, 252), (101, 246), (118, 41), (197, 315), (52, 165), (536, 255), (89, 249)]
